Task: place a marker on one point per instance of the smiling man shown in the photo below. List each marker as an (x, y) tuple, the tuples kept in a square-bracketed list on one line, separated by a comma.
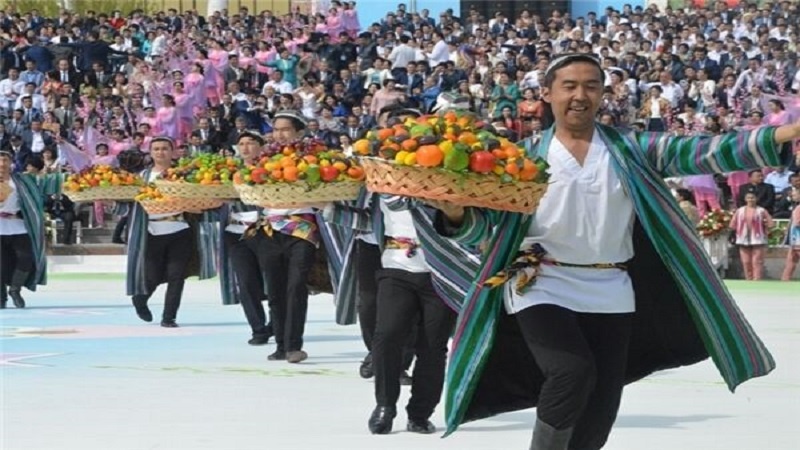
[(606, 282)]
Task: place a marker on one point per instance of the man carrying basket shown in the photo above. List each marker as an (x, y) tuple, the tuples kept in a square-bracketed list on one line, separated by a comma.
[(606, 282)]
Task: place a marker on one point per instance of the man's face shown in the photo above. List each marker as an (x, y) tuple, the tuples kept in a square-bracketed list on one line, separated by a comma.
[(161, 152), (575, 95), (5, 164), (795, 181), (27, 103), (249, 148), (756, 177), (284, 130)]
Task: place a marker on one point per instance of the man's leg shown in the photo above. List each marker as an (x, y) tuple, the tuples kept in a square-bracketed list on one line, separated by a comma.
[(300, 254), (274, 265), (244, 258), (746, 257), (178, 254), (758, 261)]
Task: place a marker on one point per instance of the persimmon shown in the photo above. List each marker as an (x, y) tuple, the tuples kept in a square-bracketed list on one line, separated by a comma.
[(429, 156), (529, 170), (409, 145), (291, 173), (361, 147)]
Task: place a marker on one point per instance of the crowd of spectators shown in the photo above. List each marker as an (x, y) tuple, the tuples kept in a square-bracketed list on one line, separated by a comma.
[(107, 83)]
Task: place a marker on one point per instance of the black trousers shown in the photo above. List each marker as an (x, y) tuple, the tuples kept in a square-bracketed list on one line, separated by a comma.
[(167, 260), (120, 228), (583, 358), (250, 268), (403, 298), (656, 125), (16, 254), (288, 261), (368, 263)]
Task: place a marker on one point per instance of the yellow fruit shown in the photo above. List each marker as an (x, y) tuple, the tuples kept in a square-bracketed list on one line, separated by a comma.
[(324, 163), (400, 157), (446, 147), (410, 159), (499, 170), (302, 166)]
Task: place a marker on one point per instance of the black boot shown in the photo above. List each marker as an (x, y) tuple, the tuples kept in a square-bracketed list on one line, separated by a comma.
[(15, 290), (3, 296), (366, 371), (546, 437), (380, 422)]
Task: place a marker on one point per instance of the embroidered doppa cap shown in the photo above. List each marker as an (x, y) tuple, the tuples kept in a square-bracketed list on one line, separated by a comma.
[(565, 59), (251, 134), (163, 139), (7, 153), (296, 118)]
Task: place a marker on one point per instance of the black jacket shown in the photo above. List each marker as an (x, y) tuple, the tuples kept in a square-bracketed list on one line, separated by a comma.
[(765, 195)]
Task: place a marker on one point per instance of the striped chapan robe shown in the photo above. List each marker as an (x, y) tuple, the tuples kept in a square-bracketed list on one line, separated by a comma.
[(227, 276), (684, 312), (453, 266), (203, 263), (31, 191)]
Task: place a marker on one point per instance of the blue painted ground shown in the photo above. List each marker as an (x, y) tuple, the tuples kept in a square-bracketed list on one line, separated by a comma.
[(79, 371)]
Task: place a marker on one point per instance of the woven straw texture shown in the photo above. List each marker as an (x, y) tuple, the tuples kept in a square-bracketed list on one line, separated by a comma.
[(174, 204), (298, 194), (104, 193), (5, 190), (461, 189), (192, 190)]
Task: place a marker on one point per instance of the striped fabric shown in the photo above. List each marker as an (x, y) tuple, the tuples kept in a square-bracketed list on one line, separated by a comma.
[(452, 265), (641, 161), (207, 240), (30, 191), (227, 277)]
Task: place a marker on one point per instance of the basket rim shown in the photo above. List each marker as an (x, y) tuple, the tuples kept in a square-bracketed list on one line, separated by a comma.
[(468, 174)]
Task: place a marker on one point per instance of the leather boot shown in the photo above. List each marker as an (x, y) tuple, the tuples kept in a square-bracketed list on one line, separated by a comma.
[(15, 290), (546, 437), (3, 296), (140, 303)]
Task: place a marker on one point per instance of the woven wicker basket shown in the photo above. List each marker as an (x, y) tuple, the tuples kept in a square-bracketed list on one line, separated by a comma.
[(461, 189), (104, 193), (175, 204), (193, 190), (296, 195)]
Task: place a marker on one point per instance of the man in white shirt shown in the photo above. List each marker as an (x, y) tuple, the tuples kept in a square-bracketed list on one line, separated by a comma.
[(567, 273), (38, 102), (278, 84), (10, 89), (779, 178)]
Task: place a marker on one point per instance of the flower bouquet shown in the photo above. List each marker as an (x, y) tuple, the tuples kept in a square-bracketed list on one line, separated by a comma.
[(102, 182), (203, 176), (298, 175), (455, 158), (714, 223)]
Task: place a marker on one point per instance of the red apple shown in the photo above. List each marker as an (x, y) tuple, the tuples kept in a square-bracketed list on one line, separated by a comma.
[(481, 162), (329, 173), (259, 175)]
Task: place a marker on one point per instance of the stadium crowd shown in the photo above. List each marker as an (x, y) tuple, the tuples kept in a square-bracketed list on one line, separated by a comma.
[(107, 83)]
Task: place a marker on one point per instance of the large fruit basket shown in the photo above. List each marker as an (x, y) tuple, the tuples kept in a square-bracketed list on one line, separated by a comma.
[(184, 189), (299, 175), (102, 182), (464, 189), (452, 157), (206, 176), (298, 194)]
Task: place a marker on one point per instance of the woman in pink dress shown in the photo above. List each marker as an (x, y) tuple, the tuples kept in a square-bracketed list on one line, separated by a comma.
[(151, 120), (752, 224), (219, 60), (118, 144), (320, 26), (184, 104), (350, 18), (264, 54), (247, 61), (168, 118), (334, 22), (195, 84)]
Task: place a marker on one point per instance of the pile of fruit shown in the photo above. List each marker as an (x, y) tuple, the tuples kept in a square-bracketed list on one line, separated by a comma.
[(714, 223), (206, 169), (455, 142), (100, 176), (150, 192), (291, 166)]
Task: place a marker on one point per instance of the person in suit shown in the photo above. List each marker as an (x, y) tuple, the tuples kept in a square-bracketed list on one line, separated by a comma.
[(66, 74), (240, 126), (765, 193), (174, 21), (93, 50), (98, 76), (208, 136), (5, 138), (20, 152), (354, 131), (16, 124), (196, 146), (702, 61), (65, 113), (36, 138), (29, 112)]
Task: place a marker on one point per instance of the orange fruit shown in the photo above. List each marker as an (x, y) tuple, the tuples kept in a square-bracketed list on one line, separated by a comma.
[(409, 145), (287, 161), (529, 170), (290, 173), (361, 147), (512, 168), (340, 165), (385, 133), (450, 116), (499, 153), (312, 159), (277, 174), (429, 156), (511, 150), (356, 173), (467, 138)]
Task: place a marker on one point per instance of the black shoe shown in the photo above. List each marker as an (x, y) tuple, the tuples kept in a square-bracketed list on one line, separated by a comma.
[(259, 340), (117, 241), (405, 379), (16, 297), (169, 324), (144, 313), (380, 422), (366, 371), (421, 426), (279, 355)]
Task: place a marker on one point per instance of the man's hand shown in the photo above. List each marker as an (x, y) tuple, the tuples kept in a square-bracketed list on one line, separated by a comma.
[(453, 213), (787, 133)]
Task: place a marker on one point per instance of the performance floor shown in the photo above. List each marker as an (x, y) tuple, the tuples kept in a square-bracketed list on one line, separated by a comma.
[(81, 372)]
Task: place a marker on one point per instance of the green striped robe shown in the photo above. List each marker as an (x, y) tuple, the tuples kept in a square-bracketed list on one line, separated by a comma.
[(452, 265), (641, 161), (31, 191)]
